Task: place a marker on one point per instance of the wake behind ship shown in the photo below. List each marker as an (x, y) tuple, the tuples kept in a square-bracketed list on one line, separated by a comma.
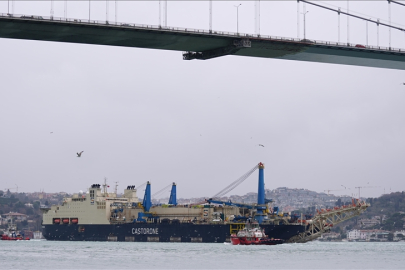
[(102, 216)]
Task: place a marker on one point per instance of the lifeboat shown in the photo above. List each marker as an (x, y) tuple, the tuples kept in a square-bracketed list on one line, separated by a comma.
[(65, 221), (74, 220), (56, 221)]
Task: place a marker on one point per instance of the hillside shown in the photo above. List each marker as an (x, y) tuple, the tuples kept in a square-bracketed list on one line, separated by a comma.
[(388, 212)]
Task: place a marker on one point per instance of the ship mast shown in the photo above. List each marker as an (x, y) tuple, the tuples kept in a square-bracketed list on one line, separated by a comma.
[(105, 187), (116, 187)]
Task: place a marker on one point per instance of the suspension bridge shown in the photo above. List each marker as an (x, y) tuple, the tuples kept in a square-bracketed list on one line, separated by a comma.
[(204, 44)]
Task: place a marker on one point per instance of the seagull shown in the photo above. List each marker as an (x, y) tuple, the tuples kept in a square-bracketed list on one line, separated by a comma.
[(79, 154), (261, 145)]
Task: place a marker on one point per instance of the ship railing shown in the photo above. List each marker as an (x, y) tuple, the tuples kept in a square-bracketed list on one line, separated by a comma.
[(309, 42)]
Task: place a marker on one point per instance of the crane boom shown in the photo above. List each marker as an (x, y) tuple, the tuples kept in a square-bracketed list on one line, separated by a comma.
[(236, 183), (230, 203), (161, 191)]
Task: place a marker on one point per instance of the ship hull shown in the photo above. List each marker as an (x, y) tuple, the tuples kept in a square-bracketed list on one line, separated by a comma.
[(150, 232)]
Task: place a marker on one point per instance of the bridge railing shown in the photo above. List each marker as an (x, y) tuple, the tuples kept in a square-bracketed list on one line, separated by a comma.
[(200, 31)]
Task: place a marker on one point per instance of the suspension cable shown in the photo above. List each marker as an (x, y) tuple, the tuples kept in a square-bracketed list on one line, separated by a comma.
[(236, 183), (355, 16), (395, 2)]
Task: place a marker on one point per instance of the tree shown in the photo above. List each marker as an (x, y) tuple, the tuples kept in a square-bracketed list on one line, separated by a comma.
[(36, 204)]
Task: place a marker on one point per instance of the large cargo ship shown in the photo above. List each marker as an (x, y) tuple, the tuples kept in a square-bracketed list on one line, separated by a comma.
[(99, 215)]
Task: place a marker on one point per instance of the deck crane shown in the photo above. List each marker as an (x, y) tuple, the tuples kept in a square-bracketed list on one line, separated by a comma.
[(230, 203), (366, 187), (261, 206)]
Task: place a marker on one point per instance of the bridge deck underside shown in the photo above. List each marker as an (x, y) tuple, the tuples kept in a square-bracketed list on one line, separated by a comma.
[(152, 38)]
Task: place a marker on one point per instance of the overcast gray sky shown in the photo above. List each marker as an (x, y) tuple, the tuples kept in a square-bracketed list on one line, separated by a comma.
[(142, 115)]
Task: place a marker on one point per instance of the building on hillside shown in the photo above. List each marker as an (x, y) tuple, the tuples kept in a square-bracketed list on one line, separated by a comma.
[(331, 235), (399, 236), (15, 216), (369, 222), (368, 235), (38, 235)]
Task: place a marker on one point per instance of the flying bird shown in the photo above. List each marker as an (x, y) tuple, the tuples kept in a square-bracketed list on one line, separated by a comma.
[(261, 145), (79, 154)]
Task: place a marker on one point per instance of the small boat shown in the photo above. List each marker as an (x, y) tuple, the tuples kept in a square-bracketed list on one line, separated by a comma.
[(252, 234), (11, 234)]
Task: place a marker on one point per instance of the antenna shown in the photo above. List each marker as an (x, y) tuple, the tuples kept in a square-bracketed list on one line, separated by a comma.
[(105, 186), (116, 186)]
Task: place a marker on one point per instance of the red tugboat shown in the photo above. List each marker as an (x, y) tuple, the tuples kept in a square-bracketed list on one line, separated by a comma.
[(12, 235), (252, 234)]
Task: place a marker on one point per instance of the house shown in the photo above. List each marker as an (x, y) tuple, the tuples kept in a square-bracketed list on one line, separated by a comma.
[(331, 235), (367, 235), (15, 216), (399, 236)]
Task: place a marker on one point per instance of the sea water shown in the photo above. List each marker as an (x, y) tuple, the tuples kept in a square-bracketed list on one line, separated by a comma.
[(41, 254)]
